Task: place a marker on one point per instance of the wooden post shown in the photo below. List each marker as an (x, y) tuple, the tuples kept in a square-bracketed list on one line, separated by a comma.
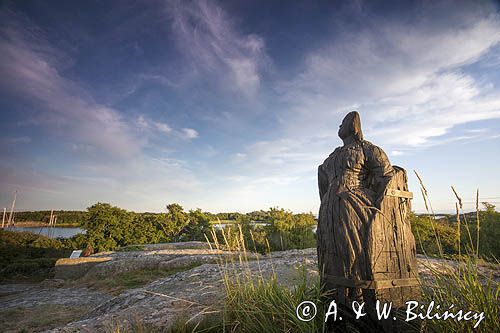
[(12, 208), (3, 219)]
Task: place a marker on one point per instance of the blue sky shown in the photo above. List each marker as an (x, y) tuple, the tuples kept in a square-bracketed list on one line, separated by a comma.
[(231, 106)]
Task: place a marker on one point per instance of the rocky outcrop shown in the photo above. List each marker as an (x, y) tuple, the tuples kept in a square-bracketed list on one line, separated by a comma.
[(177, 246), (74, 268), (189, 293), (161, 256)]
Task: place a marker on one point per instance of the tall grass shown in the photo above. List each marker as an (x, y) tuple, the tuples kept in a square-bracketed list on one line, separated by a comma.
[(463, 286), (266, 306), (255, 301)]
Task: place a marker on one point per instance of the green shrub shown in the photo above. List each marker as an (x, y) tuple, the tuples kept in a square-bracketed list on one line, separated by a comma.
[(78, 241), (28, 256), (29, 266), (110, 227), (283, 230), (67, 217), (489, 244), (434, 236)]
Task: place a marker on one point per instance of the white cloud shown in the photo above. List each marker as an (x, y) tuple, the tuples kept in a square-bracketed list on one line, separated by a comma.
[(207, 35), (406, 79), (142, 123), (184, 133), (238, 157), (145, 184), (29, 71), (162, 127), (189, 133), (396, 153), (126, 176)]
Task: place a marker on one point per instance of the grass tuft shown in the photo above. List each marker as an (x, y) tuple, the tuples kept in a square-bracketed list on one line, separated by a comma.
[(464, 287)]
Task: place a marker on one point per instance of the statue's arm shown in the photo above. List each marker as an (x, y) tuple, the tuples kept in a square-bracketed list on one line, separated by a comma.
[(381, 171), (322, 182)]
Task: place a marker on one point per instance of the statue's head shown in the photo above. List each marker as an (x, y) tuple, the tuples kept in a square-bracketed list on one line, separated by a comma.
[(351, 125)]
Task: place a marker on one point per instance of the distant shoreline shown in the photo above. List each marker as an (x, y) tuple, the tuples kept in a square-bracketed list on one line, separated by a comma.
[(41, 224)]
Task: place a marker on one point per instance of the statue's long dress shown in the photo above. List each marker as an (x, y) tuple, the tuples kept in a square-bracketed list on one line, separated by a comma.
[(355, 241)]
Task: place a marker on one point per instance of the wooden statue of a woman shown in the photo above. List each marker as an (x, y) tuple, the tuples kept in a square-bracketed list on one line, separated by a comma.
[(366, 250)]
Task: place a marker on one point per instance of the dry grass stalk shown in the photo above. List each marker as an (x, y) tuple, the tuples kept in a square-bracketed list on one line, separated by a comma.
[(458, 230), (427, 206), (459, 199), (477, 221)]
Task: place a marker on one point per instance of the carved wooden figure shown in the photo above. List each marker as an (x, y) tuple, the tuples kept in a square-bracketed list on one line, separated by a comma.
[(366, 250)]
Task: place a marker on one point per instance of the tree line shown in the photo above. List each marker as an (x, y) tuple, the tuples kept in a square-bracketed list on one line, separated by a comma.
[(76, 217), (451, 235), (73, 217), (109, 227)]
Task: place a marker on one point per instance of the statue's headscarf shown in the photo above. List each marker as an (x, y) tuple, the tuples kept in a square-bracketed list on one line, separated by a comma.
[(355, 124)]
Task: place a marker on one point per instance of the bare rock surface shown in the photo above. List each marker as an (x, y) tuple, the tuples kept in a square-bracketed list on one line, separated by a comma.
[(177, 246), (190, 292), (165, 255), (35, 294)]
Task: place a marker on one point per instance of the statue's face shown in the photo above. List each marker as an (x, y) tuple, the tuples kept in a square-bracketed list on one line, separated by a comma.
[(345, 128)]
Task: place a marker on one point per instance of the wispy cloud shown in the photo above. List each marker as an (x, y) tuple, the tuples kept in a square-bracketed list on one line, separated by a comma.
[(28, 70), (407, 79), (31, 73), (206, 34), (238, 157), (145, 184), (163, 128), (190, 133), (178, 86)]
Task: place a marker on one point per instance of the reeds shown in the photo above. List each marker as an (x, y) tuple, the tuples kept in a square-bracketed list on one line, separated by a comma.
[(254, 300), (430, 212), (464, 287), (254, 303)]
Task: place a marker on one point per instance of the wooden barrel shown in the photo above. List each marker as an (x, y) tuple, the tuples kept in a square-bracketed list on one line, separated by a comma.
[(393, 254)]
